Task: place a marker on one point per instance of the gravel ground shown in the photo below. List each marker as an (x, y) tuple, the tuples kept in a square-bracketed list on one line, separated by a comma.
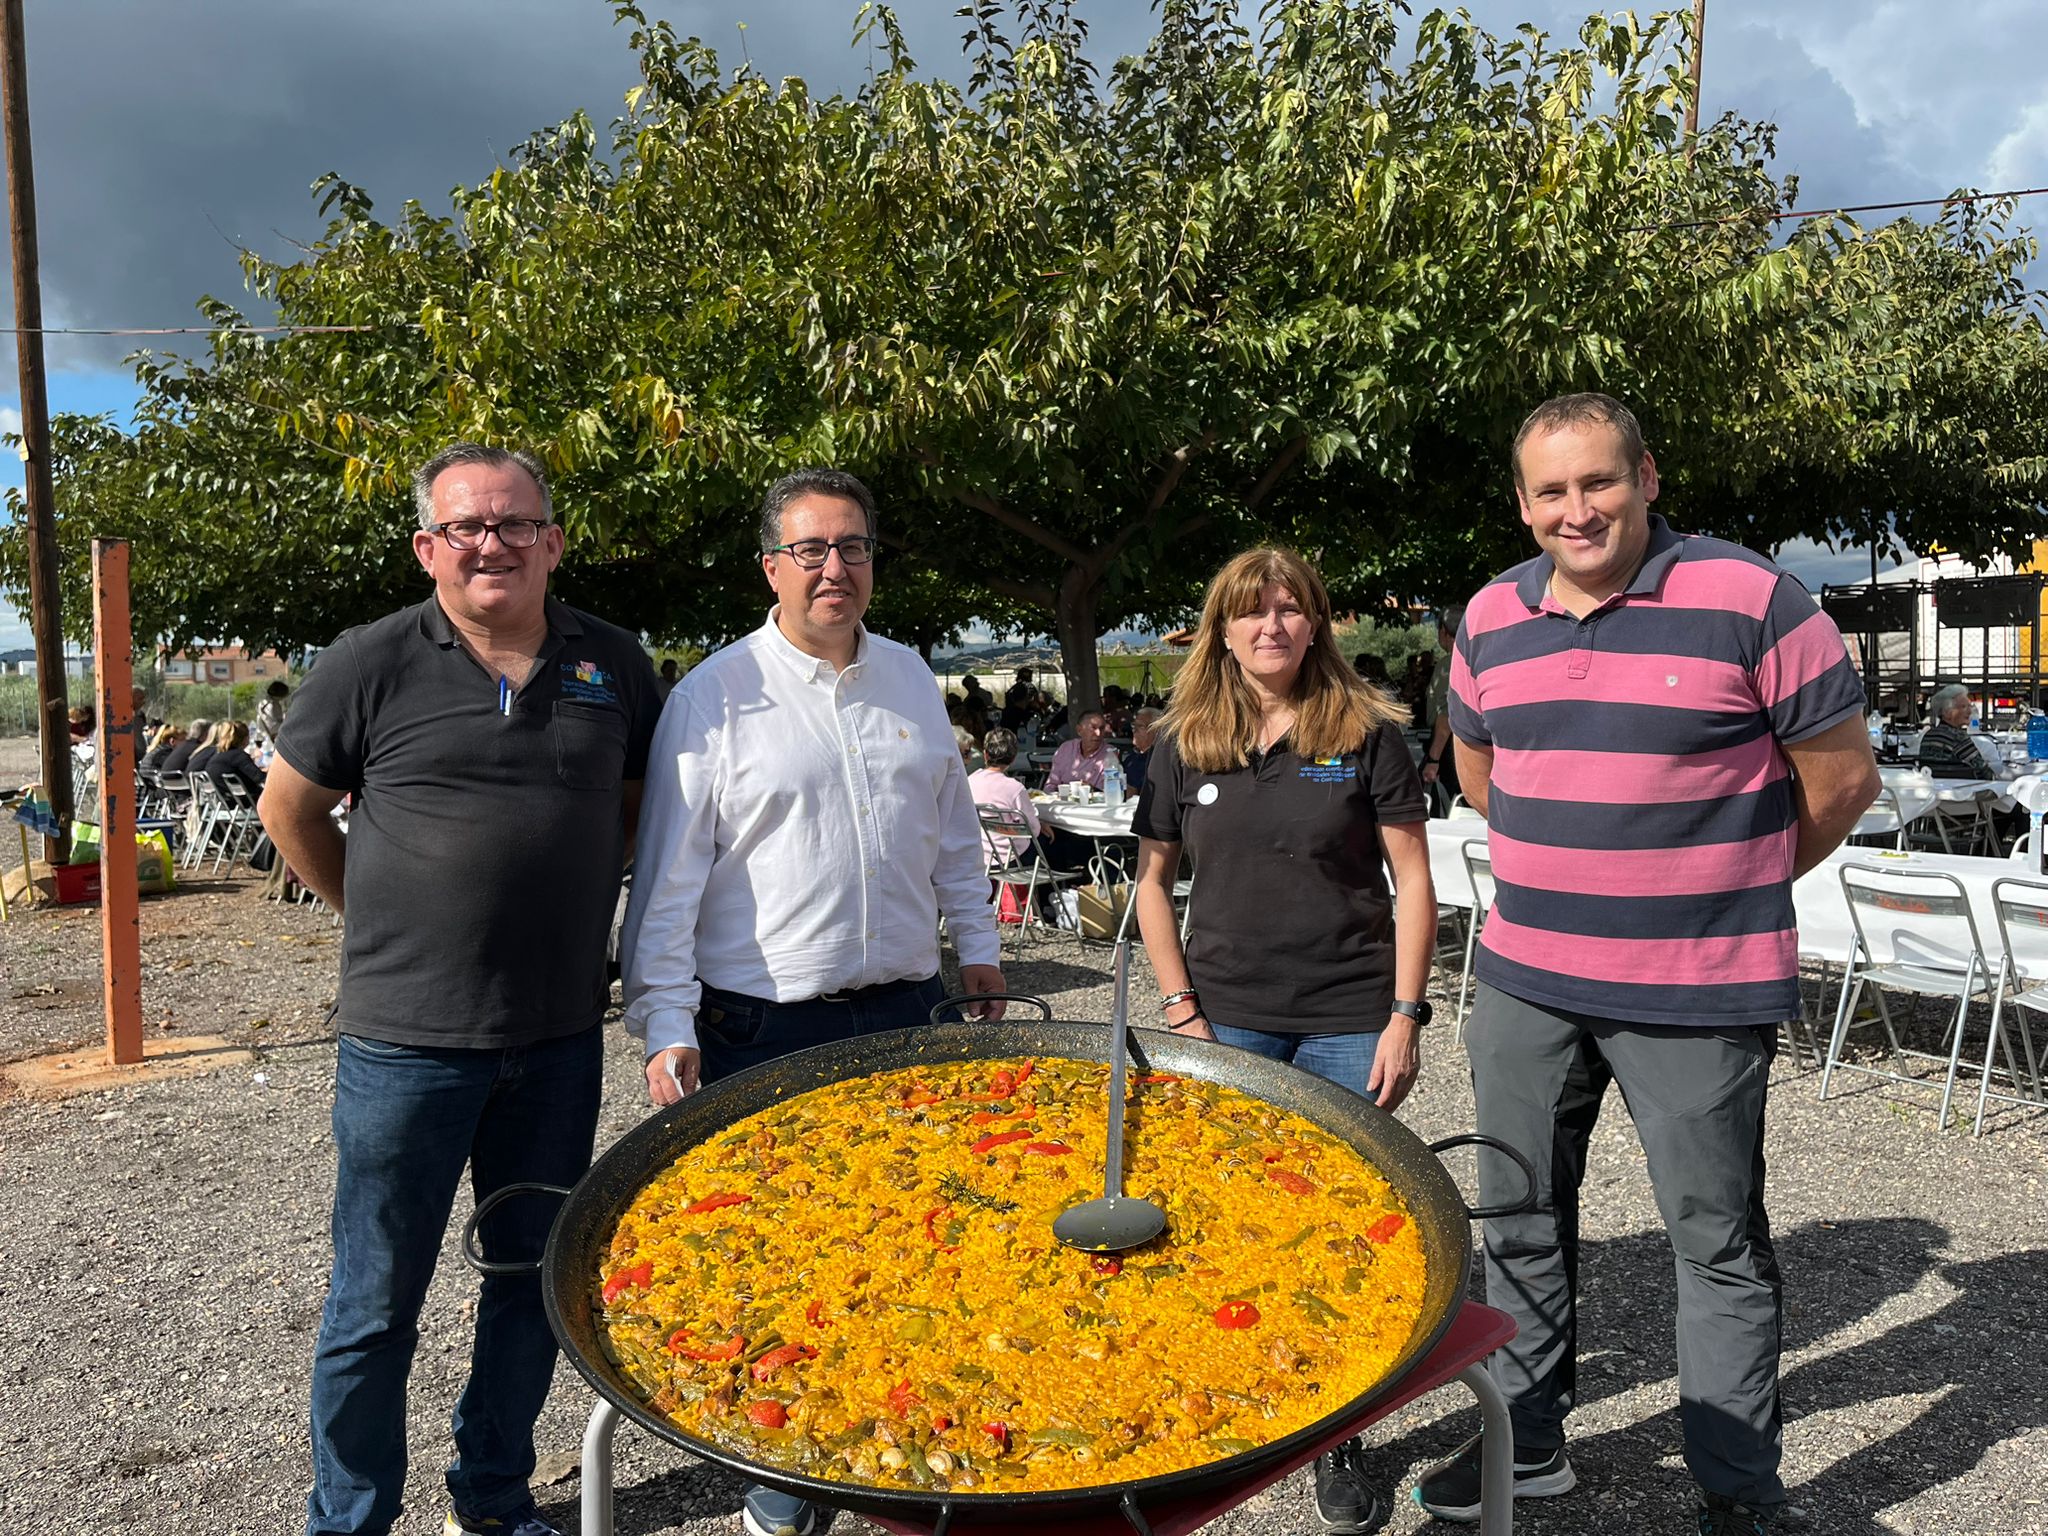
[(163, 1260)]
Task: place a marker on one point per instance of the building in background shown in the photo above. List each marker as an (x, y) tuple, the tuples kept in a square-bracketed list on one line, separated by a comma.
[(223, 665)]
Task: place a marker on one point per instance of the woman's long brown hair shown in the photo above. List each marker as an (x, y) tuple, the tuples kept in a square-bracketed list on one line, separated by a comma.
[(1214, 714)]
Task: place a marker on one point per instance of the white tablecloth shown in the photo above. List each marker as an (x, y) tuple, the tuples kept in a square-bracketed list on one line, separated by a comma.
[(1096, 821), (1819, 906)]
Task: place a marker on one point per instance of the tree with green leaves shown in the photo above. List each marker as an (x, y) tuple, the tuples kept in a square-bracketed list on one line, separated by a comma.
[(1088, 334)]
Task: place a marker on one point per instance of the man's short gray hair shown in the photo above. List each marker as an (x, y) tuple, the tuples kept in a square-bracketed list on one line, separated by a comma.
[(811, 482), (1584, 410), (474, 453), (1945, 698), (999, 746), (1146, 716)]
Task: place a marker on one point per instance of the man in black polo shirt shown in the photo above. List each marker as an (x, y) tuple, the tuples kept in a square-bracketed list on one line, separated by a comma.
[(494, 741)]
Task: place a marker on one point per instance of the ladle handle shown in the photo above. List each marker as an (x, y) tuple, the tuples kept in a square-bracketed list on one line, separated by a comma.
[(1119, 1061)]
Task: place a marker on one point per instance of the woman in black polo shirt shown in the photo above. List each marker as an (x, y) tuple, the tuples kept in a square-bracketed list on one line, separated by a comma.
[(1286, 776)]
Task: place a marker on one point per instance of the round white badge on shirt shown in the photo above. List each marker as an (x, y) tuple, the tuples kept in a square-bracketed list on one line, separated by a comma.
[(1206, 795)]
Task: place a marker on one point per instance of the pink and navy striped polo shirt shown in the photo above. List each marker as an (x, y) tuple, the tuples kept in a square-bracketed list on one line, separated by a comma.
[(1641, 815)]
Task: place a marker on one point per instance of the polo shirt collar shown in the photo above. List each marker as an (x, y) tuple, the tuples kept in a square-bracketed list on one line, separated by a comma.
[(435, 624), (810, 668), (1661, 554)]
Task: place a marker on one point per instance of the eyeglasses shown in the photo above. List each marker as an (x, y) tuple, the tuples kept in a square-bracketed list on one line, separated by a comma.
[(513, 532), (810, 554)]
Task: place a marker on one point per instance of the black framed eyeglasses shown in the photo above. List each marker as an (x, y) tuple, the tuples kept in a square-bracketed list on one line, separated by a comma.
[(512, 532), (809, 554)]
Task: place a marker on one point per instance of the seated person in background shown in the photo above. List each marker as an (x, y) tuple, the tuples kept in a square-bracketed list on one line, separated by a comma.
[(83, 723), (180, 760), (970, 747), (1144, 732), (1116, 709), (231, 758), (1021, 702), (992, 785), (162, 744), (975, 699), (1083, 758), (1946, 750), (208, 745)]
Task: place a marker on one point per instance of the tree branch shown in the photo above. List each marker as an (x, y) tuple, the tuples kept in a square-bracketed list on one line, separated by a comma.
[(1017, 522), (1275, 472), (1021, 591)]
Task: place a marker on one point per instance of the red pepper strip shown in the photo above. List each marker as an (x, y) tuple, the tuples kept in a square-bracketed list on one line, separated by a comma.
[(731, 1349), (932, 1216), (1023, 1073), (768, 1413), (902, 1399), (997, 1116), (1002, 1085), (641, 1275), (1383, 1229), (1047, 1148), (920, 1095), (813, 1312), (940, 1423), (996, 1139), (776, 1359), (1107, 1264), (997, 1431), (715, 1203), (1290, 1181), (1159, 1077), (1236, 1314)]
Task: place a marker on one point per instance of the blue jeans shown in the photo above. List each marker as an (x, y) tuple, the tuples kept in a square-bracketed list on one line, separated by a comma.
[(736, 1031), (1345, 1060), (406, 1120)]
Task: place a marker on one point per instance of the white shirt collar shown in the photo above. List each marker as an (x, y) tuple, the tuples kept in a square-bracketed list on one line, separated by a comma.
[(806, 666)]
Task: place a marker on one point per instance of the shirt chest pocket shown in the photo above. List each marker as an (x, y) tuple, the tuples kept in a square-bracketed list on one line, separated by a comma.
[(590, 746)]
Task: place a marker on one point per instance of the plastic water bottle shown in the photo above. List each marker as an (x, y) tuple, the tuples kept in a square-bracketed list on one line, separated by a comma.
[(1113, 783), (2037, 736)]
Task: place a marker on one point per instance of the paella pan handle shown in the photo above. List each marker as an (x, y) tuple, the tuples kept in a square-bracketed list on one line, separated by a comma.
[(473, 1255), (944, 1003), (1513, 1207)]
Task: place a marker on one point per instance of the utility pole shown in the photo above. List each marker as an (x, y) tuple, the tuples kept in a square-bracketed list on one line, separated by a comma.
[(44, 598), (1699, 44)]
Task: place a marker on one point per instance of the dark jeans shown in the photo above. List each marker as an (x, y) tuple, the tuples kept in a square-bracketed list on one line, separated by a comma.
[(736, 1031), (406, 1120), (1697, 1098)]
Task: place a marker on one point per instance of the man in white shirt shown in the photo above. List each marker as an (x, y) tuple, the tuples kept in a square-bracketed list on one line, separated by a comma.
[(806, 823)]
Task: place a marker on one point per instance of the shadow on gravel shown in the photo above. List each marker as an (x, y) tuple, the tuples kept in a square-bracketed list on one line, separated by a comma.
[(698, 1491), (1047, 978), (1978, 1356)]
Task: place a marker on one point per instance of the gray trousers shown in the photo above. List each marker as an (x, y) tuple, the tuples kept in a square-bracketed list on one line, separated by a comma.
[(1697, 1098)]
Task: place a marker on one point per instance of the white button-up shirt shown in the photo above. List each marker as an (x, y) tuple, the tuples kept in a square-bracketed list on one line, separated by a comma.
[(803, 829)]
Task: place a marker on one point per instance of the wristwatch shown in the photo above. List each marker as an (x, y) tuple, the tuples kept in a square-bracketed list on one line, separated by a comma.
[(1421, 1012)]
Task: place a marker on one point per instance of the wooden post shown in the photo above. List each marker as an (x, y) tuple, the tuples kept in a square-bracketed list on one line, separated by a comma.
[(44, 599), (120, 927)]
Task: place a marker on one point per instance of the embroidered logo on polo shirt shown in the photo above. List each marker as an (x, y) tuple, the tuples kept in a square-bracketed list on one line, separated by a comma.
[(587, 681), (1325, 770)]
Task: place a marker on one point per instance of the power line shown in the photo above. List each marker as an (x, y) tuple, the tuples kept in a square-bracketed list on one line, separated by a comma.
[(1818, 213), (211, 330)]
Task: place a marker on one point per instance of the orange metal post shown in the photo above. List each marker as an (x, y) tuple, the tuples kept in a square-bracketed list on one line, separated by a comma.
[(120, 928)]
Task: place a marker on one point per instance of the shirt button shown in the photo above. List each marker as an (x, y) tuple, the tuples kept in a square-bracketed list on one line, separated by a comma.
[(872, 934)]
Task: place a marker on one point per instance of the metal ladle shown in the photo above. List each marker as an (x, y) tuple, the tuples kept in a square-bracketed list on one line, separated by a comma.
[(1117, 1220)]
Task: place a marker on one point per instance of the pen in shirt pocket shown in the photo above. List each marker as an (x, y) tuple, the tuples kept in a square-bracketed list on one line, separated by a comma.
[(504, 695)]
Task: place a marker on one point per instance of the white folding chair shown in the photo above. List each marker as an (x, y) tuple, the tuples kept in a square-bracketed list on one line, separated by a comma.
[(1914, 932), (241, 829), (1008, 868), (1479, 872), (202, 815), (2022, 908)]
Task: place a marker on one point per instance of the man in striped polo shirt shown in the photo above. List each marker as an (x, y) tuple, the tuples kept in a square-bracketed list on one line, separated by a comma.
[(1663, 732)]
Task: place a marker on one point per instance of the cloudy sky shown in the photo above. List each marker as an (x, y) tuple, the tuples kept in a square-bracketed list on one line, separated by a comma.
[(169, 132)]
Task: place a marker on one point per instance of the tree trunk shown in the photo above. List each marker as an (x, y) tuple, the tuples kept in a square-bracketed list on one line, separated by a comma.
[(1074, 623)]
